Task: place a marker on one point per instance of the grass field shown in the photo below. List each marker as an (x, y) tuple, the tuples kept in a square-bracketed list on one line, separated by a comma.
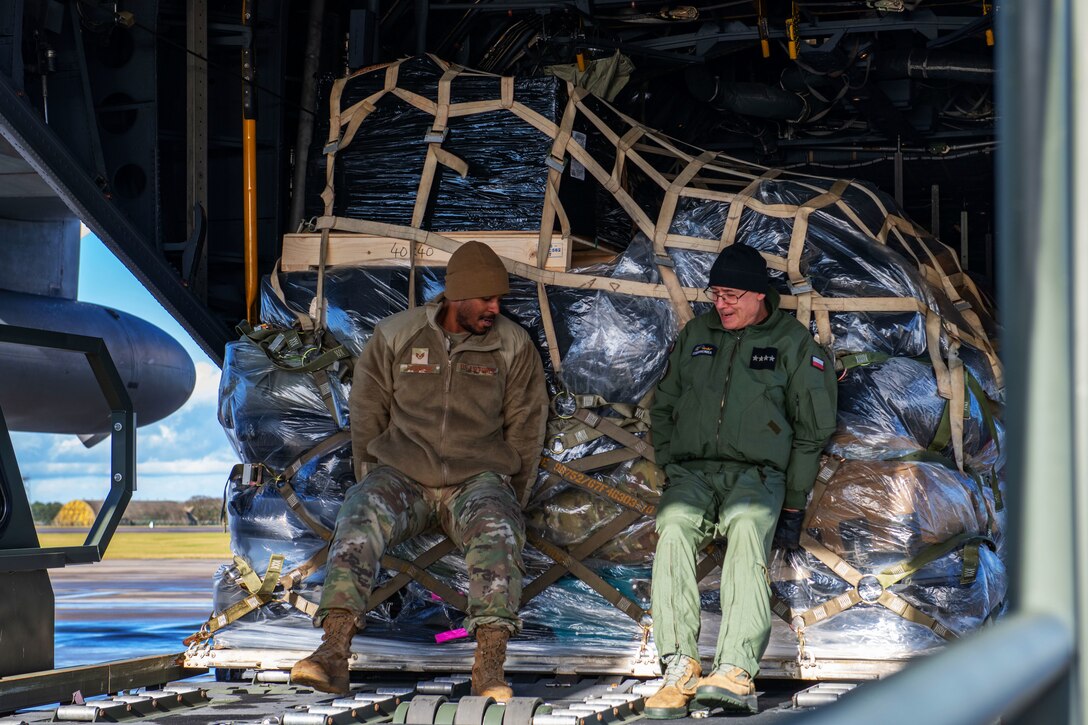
[(144, 544)]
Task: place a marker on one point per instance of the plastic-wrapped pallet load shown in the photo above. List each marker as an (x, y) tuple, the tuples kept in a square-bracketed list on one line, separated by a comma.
[(902, 534)]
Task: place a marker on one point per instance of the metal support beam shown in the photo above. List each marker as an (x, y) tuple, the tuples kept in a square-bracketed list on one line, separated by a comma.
[(48, 156), (196, 88), (123, 452), (41, 688)]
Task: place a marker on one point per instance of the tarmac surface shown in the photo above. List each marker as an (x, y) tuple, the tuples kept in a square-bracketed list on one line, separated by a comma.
[(120, 608)]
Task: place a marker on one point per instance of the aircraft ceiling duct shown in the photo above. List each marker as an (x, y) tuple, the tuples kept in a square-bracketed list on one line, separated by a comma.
[(748, 99), (917, 63)]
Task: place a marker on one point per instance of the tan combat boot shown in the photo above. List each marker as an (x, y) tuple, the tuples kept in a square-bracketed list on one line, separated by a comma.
[(671, 701), (327, 668), (729, 688), (487, 674)]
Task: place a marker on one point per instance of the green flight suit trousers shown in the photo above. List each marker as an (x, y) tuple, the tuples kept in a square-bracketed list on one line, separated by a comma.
[(740, 505)]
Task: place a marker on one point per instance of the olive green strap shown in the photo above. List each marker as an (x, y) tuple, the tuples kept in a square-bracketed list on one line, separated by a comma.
[(395, 584), (597, 486), (587, 575)]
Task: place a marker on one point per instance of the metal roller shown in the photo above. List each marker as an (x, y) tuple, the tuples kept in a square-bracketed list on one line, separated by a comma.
[(446, 713), (471, 709), (306, 718), (90, 713), (559, 717), (423, 708), (397, 692), (276, 676), (520, 710)]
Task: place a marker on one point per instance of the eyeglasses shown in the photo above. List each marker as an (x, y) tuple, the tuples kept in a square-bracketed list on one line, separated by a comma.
[(727, 297)]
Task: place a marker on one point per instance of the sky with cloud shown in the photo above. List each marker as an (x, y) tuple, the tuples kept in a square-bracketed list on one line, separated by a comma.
[(183, 455)]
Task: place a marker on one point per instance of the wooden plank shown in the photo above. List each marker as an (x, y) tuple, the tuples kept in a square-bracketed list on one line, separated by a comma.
[(301, 251), (42, 688)]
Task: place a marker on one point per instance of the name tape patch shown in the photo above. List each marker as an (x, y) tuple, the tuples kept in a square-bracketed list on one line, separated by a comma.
[(476, 369), (763, 358), (704, 350), (420, 369)]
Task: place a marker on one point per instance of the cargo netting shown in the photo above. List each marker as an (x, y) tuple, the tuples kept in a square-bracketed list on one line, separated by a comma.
[(903, 539)]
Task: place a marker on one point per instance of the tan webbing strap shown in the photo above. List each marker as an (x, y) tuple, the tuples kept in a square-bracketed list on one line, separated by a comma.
[(549, 330), (661, 230), (933, 344), (557, 161), (284, 489), (957, 405), (797, 281), (829, 465), (603, 460), (804, 308), (590, 577), (909, 612), (424, 560), (616, 433), (304, 321), (426, 579), (323, 254), (848, 599), (824, 336), (324, 389), (305, 569), (323, 448), (506, 91), (256, 599), (715, 554), (594, 485), (737, 204), (301, 603), (598, 539)]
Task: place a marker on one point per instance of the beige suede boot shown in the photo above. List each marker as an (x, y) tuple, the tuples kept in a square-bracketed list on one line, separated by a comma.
[(671, 701), (327, 668), (487, 675)]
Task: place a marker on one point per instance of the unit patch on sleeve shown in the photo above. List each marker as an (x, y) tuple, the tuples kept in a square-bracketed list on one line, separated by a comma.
[(763, 358), (817, 362), (704, 349)]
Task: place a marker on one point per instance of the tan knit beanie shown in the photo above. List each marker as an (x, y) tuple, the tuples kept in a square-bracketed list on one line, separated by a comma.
[(475, 270)]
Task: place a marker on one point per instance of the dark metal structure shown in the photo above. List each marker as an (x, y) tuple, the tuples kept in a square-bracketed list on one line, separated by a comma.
[(132, 112), (26, 607)]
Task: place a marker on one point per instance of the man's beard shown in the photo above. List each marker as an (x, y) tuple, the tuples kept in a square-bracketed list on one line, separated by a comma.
[(474, 322)]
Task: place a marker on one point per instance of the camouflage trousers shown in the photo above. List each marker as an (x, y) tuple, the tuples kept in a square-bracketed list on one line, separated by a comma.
[(481, 516)]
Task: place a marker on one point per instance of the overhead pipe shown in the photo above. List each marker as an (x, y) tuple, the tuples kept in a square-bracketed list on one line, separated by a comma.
[(748, 99), (249, 160), (921, 63)]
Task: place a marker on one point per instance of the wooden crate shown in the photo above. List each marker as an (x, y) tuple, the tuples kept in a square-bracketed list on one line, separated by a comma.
[(300, 251)]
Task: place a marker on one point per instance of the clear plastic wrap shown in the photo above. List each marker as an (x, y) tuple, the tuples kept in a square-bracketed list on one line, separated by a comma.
[(376, 176), (896, 498)]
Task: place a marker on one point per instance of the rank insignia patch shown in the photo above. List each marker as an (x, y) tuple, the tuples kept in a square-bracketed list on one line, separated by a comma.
[(420, 355), (704, 350), (763, 358), (817, 362)]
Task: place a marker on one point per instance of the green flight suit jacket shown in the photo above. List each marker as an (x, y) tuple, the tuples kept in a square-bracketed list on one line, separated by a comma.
[(763, 396)]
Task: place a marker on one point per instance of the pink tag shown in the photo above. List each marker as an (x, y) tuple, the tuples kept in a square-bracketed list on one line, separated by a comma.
[(452, 634), (435, 597)]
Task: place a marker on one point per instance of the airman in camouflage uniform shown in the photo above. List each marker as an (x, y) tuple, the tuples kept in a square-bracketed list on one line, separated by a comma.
[(448, 409), (481, 516)]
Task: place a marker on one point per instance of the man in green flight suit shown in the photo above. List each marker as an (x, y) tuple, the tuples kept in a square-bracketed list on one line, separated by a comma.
[(739, 421)]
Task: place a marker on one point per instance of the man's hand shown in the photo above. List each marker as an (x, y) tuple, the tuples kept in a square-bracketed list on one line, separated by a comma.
[(787, 535)]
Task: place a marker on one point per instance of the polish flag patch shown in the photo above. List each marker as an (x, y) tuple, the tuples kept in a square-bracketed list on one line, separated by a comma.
[(817, 363)]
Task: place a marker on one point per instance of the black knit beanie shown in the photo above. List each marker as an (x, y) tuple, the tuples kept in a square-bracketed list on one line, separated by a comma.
[(739, 267)]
